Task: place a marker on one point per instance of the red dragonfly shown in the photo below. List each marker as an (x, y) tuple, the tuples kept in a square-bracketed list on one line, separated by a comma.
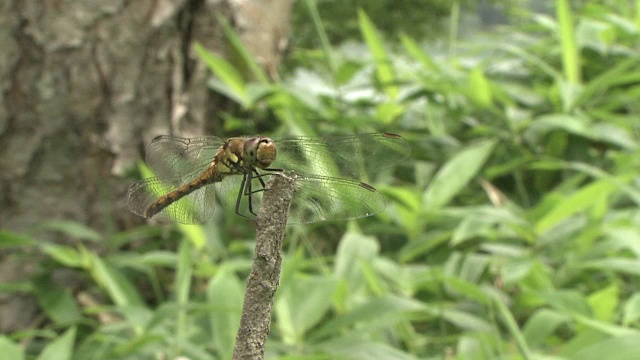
[(193, 172)]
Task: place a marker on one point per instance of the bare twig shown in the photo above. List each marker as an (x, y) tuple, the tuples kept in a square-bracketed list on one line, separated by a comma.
[(265, 273)]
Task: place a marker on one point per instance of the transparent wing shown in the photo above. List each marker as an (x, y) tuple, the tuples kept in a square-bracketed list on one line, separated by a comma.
[(355, 156), (322, 198), (180, 159), (317, 198), (194, 208)]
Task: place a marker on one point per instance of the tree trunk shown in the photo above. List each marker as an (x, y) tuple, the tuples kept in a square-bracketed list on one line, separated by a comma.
[(85, 85)]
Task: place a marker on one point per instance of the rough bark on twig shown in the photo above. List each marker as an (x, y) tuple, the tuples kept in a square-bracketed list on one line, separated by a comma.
[(265, 273)]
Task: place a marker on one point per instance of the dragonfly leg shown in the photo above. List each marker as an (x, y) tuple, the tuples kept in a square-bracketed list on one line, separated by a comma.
[(260, 176), (240, 195), (248, 191)]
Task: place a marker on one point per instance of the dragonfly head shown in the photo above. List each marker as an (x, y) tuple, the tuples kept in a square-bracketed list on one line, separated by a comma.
[(260, 151)]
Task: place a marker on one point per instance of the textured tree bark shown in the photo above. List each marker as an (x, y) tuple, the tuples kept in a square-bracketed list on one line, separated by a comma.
[(265, 272), (84, 86)]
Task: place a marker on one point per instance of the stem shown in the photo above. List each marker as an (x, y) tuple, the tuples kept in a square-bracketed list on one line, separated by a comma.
[(265, 273)]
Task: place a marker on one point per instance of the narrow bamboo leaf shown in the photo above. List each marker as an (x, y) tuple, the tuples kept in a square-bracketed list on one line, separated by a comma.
[(322, 34), (620, 74), (569, 301), (512, 326), (74, 229), (225, 294), (353, 347), (65, 255), (121, 291), (10, 239), (354, 248), (581, 200), (417, 53), (466, 320), (613, 348), (631, 311), (225, 71), (10, 350), (387, 310), (59, 349), (480, 89), (384, 69), (184, 272), (389, 111), (457, 173), (570, 51), (303, 301), (195, 234), (542, 324), (58, 303), (605, 302), (245, 56), (616, 264), (183, 287)]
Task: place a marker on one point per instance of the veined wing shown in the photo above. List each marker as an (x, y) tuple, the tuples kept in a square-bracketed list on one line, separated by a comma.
[(194, 208), (323, 198), (179, 159), (355, 156), (317, 198)]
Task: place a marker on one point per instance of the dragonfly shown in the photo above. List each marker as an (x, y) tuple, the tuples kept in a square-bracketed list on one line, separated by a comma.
[(192, 173)]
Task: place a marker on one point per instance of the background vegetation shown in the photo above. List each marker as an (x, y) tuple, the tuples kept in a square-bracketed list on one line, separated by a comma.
[(512, 232)]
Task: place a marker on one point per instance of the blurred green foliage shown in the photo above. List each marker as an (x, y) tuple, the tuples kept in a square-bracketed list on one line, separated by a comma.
[(513, 232), (417, 19)]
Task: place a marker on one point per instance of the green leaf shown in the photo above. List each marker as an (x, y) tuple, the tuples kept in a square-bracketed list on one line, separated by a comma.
[(385, 311), (384, 68), (604, 303), (61, 348), (302, 302), (322, 34), (225, 295), (66, 255), (512, 326), (354, 248), (10, 239), (225, 71), (542, 125), (480, 89), (615, 264), (10, 350), (631, 312), (570, 51), (195, 234), (417, 53), (467, 289), (570, 301), (182, 290), (542, 324), (456, 174), (58, 303), (354, 347), (387, 112), (74, 229), (465, 320), (614, 348), (241, 53), (582, 200), (120, 289)]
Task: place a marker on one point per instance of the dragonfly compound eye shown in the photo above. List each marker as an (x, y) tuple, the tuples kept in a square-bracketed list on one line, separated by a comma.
[(266, 153), (260, 152)]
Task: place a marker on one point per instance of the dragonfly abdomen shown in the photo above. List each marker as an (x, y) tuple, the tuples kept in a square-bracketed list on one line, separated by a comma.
[(164, 201)]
